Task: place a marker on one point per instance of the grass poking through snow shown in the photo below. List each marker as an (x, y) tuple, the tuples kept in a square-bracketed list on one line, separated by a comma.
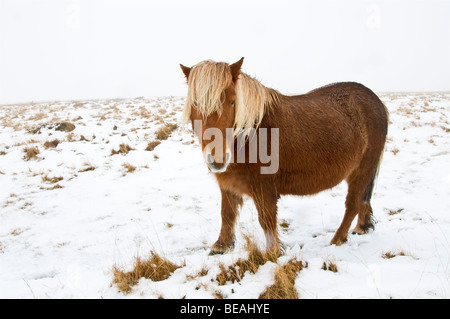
[(284, 286), (151, 145), (236, 271), (164, 132), (123, 149), (155, 268), (31, 152)]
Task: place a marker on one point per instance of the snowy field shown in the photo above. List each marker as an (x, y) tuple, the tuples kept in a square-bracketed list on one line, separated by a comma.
[(74, 204)]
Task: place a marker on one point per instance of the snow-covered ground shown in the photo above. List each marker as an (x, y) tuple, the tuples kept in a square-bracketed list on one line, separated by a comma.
[(75, 211)]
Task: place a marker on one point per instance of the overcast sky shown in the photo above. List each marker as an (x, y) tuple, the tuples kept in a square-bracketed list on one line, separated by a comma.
[(59, 50)]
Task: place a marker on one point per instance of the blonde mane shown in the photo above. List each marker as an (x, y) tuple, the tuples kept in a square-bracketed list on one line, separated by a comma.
[(206, 85)]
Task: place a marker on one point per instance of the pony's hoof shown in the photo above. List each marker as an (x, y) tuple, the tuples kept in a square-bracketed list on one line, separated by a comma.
[(215, 252), (220, 249), (358, 230), (363, 229), (338, 241)]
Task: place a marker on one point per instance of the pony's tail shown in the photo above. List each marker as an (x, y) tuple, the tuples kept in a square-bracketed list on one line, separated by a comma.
[(369, 190)]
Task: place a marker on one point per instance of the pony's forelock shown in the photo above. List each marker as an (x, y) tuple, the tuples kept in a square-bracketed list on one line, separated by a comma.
[(206, 88), (206, 85)]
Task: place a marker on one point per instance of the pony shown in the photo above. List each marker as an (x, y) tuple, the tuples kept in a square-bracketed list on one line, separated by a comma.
[(333, 133)]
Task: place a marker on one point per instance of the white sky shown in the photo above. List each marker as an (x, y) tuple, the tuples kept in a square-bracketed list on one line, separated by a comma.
[(59, 50)]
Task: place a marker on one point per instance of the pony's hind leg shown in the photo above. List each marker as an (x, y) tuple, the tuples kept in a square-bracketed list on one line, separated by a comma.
[(365, 220), (365, 213), (352, 206), (360, 185)]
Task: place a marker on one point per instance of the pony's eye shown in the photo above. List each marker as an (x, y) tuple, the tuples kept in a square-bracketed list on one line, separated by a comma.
[(195, 104), (233, 103)]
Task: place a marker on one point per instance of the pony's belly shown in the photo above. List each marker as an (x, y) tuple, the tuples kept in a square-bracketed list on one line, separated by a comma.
[(307, 183), (285, 182)]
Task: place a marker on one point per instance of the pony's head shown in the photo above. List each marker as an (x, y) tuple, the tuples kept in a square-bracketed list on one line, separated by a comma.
[(211, 102), (223, 102)]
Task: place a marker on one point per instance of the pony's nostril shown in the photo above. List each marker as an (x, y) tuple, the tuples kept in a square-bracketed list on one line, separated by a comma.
[(208, 158)]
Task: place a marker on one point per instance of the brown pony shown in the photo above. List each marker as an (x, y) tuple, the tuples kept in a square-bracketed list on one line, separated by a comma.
[(333, 133)]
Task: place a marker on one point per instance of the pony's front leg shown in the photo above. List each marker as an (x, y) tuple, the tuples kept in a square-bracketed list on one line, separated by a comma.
[(266, 205), (230, 210)]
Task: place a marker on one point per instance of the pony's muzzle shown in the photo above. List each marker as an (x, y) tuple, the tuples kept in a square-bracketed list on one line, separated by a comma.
[(218, 166)]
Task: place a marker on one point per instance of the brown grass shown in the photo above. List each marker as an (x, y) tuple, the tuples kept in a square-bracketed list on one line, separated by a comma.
[(151, 145), (129, 168), (51, 180), (123, 149), (155, 268), (203, 272), (236, 271), (65, 127), (284, 225), (143, 112), (284, 286), (61, 126), (71, 137), (31, 152), (87, 169), (330, 266), (446, 129), (392, 254), (56, 186), (51, 144), (164, 132), (393, 212)]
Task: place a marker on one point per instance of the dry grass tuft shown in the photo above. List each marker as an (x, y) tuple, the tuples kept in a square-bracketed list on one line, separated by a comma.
[(155, 268), (284, 286), (392, 254), (65, 127), (61, 126), (203, 272), (56, 186), (51, 180), (51, 144), (392, 212), (330, 266), (123, 149), (129, 168), (87, 169), (216, 294), (164, 132), (31, 152), (236, 271), (284, 225), (151, 145), (143, 112), (446, 129)]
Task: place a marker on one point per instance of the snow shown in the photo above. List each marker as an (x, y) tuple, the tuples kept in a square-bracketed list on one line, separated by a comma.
[(63, 242)]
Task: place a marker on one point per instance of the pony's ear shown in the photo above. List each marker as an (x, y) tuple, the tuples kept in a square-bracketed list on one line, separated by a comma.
[(236, 69), (185, 70)]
